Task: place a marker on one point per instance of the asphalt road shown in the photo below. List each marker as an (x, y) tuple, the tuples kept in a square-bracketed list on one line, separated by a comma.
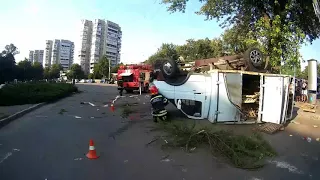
[(51, 143)]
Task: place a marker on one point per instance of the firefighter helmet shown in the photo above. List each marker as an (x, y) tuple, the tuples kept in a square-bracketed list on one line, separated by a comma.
[(153, 90)]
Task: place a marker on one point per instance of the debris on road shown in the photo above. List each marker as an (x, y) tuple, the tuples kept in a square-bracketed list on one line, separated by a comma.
[(309, 107), (285, 165), (78, 159), (295, 122), (125, 161), (62, 111), (88, 103), (6, 157), (271, 128), (77, 117), (152, 141), (16, 149)]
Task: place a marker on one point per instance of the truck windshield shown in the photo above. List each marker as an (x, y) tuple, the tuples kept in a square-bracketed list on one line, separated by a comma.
[(127, 78)]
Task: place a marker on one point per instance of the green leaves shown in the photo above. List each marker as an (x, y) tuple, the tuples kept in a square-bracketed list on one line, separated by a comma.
[(279, 27), (75, 72)]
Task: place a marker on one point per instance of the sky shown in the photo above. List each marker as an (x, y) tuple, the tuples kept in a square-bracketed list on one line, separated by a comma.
[(145, 25)]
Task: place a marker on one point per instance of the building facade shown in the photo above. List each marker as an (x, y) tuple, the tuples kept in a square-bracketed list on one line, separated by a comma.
[(62, 52), (31, 56), (99, 38), (36, 56), (84, 50), (48, 54)]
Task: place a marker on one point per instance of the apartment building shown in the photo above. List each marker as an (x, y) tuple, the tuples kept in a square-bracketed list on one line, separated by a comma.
[(48, 53), (99, 38), (84, 50), (113, 42), (31, 56), (36, 56), (62, 52)]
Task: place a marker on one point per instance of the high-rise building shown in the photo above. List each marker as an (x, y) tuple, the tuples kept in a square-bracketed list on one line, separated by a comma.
[(36, 56), (85, 45), (62, 52), (48, 53), (66, 53), (99, 38), (55, 52), (31, 56), (113, 42)]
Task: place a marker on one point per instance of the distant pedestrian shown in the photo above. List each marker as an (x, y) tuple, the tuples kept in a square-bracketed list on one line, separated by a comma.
[(304, 91), (298, 90)]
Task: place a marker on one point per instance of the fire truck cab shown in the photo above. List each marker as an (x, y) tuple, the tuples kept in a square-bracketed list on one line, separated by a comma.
[(131, 77)]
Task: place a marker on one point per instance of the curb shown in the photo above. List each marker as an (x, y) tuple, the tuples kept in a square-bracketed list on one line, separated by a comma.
[(7, 120)]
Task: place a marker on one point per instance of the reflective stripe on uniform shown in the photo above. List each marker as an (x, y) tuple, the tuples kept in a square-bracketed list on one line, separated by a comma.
[(161, 113), (159, 96)]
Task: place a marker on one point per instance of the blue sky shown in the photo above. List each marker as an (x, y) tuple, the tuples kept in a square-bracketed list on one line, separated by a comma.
[(145, 24)]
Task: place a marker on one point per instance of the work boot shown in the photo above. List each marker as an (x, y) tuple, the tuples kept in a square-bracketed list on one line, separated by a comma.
[(155, 119)]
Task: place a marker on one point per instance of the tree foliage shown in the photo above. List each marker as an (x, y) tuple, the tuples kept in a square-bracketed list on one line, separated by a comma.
[(101, 69), (278, 26), (55, 71), (75, 72)]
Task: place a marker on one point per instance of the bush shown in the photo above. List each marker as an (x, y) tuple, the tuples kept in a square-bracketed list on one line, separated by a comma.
[(32, 93)]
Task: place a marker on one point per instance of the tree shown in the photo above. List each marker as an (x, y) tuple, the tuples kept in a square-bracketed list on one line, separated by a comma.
[(165, 51), (114, 69), (102, 68), (37, 71), (10, 49), (24, 70), (55, 71), (7, 68), (279, 26), (46, 73), (75, 72)]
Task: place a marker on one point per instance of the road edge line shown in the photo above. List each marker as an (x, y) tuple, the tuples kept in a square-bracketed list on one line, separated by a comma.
[(19, 114)]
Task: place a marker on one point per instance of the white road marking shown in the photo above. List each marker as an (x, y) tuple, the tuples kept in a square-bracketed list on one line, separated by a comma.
[(16, 149), (78, 117), (6, 157), (285, 165), (91, 104)]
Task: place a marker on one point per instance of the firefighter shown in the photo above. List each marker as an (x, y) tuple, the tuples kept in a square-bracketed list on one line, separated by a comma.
[(158, 102), (120, 85)]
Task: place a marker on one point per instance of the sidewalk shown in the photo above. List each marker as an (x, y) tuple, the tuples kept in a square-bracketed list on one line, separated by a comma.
[(6, 111)]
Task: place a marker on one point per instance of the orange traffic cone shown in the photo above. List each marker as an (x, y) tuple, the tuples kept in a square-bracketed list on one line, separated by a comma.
[(92, 154), (112, 107)]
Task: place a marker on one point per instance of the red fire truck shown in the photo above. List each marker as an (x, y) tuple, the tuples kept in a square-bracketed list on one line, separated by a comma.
[(133, 76)]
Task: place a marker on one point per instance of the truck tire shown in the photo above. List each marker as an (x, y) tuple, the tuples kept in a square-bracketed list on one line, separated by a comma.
[(255, 60), (169, 68)]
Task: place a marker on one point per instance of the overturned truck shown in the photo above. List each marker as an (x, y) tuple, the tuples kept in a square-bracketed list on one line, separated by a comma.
[(229, 89)]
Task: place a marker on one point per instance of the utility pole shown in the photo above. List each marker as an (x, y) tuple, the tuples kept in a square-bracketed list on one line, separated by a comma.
[(109, 70)]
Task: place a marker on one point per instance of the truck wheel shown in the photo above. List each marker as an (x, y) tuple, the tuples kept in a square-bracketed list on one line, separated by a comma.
[(169, 68), (255, 59)]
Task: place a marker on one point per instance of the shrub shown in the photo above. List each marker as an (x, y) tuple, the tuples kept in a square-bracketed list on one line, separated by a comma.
[(31, 93)]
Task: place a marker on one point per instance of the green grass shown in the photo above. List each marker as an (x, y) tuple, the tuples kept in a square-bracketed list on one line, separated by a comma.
[(32, 93), (246, 152)]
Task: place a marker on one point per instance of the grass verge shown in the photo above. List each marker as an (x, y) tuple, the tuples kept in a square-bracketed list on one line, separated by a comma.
[(246, 152), (32, 93)]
